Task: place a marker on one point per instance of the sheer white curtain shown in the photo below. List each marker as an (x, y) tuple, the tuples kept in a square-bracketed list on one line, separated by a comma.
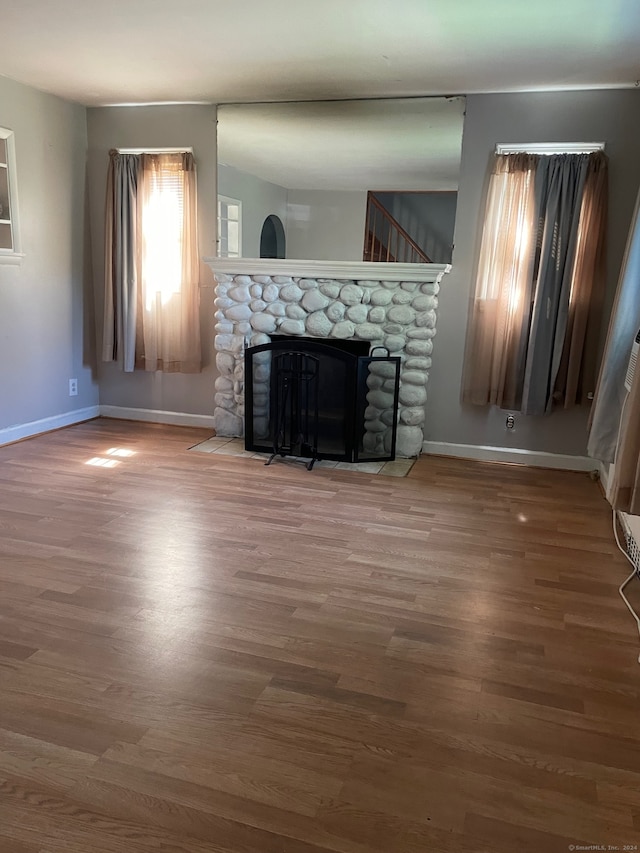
[(169, 294), (494, 361), (615, 419), (152, 269)]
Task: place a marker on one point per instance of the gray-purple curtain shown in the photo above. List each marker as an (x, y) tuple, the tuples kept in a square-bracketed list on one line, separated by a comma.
[(121, 260)]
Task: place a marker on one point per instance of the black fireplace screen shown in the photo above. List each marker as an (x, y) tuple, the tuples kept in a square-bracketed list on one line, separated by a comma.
[(318, 400)]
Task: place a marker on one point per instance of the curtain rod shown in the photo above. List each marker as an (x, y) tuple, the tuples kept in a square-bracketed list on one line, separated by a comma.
[(549, 148), (185, 150)]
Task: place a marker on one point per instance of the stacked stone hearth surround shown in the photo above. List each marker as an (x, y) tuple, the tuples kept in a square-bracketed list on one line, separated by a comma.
[(391, 305)]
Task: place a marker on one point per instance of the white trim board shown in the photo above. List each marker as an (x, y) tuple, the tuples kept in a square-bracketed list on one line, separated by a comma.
[(15, 433), (549, 147), (185, 150), (156, 416), (341, 270), (534, 458)]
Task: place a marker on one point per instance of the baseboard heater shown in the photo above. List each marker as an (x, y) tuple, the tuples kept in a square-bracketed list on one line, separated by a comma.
[(631, 527)]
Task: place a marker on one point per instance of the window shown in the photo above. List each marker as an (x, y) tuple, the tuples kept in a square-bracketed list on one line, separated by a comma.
[(229, 227), (9, 231), (151, 308), (161, 220)]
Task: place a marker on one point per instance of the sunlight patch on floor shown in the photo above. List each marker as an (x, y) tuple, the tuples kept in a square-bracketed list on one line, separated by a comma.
[(101, 462)]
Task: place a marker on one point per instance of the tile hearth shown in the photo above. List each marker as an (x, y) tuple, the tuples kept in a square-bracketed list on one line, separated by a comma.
[(220, 445)]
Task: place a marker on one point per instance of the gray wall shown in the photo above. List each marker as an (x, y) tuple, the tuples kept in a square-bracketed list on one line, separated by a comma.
[(157, 127), (259, 199), (44, 335), (326, 225), (609, 116), (43, 310)]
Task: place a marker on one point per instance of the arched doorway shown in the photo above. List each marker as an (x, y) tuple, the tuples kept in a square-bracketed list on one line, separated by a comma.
[(272, 238)]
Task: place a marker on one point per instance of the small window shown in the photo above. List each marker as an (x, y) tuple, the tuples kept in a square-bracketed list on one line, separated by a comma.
[(162, 221), (229, 227), (9, 232)]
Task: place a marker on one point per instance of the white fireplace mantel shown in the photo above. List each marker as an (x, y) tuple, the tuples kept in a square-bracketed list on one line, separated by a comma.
[(347, 270)]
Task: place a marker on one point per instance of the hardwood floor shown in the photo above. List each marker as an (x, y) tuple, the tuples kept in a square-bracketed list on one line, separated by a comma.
[(201, 654)]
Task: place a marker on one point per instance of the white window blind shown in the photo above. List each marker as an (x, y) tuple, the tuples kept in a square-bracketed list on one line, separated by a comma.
[(162, 219)]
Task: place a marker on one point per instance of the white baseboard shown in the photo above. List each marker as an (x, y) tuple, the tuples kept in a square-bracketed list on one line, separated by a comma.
[(534, 458), (434, 448), (15, 433), (157, 416), (606, 473)]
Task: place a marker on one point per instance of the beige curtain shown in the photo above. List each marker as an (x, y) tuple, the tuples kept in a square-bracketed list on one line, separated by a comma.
[(534, 322), (494, 360), (168, 324)]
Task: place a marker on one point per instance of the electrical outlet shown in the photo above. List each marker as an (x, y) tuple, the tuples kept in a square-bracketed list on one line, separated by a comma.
[(73, 387), (510, 422)]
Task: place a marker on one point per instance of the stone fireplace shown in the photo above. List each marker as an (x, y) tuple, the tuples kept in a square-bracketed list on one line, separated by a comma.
[(389, 305)]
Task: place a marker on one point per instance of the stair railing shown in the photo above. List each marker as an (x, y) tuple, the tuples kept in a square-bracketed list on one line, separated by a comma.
[(386, 240)]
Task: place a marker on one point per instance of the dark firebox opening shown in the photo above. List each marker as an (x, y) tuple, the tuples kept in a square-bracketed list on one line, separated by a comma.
[(307, 397)]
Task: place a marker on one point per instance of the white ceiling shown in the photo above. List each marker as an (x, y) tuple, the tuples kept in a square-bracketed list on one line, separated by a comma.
[(150, 51), (399, 144), (123, 51)]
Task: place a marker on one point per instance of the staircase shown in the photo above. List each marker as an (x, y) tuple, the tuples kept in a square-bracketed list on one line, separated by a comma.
[(386, 240)]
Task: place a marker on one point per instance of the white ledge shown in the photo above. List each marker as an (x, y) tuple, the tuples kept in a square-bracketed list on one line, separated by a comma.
[(355, 270), (11, 257)]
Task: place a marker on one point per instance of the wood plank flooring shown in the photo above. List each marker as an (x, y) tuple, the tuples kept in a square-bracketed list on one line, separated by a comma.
[(199, 654)]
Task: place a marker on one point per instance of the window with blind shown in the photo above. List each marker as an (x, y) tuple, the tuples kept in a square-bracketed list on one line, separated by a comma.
[(162, 221)]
